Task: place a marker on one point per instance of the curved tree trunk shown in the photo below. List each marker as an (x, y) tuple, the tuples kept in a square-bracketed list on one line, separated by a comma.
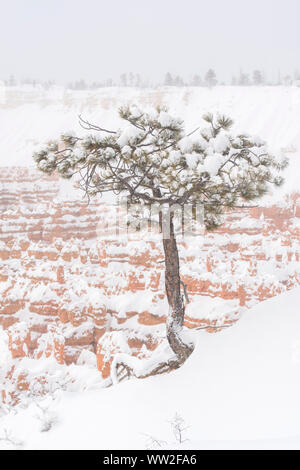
[(122, 367), (175, 298)]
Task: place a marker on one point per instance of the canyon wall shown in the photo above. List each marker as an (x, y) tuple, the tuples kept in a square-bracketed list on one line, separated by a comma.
[(68, 284), (72, 290)]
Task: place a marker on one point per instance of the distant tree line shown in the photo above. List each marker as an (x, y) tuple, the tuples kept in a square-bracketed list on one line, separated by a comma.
[(13, 82), (209, 79)]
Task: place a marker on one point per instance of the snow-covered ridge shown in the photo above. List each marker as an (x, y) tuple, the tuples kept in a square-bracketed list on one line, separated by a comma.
[(29, 117), (240, 387)]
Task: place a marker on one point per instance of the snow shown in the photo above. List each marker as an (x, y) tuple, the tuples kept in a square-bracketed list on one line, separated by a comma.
[(239, 389), (128, 136), (186, 144), (42, 293), (27, 120), (221, 143), (4, 352), (211, 308), (165, 119), (213, 163), (191, 160)]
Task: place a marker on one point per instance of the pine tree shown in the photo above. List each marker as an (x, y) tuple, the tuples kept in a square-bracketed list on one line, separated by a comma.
[(287, 80), (138, 81), (258, 78), (11, 81), (109, 82), (131, 79), (196, 81), (168, 79), (123, 79), (244, 79), (210, 78), (80, 85), (153, 161), (178, 81)]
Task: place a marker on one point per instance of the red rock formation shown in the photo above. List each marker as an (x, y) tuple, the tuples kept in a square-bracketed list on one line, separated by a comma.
[(51, 344), (56, 281), (108, 346), (19, 340)]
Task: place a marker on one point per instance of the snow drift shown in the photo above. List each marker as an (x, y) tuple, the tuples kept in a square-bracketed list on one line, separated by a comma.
[(239, 389)]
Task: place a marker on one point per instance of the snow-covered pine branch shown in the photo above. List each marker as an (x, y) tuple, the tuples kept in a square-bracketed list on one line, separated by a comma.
[(151, 159)]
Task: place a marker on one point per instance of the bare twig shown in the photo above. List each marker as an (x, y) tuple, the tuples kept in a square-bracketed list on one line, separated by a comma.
[(89, 126), (185, 291), (214, 327)]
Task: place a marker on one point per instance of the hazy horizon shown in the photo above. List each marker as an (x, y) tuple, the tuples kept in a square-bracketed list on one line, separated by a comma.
[(66, 40)]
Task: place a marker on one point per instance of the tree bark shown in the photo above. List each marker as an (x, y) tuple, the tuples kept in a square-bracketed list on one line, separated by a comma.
[(175, 297), (174, 326)]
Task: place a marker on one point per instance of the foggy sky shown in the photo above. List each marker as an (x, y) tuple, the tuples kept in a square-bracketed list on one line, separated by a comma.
[(95, 39)]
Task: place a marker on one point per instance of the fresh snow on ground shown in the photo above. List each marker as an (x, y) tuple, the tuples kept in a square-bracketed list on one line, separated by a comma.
[(239, 389)]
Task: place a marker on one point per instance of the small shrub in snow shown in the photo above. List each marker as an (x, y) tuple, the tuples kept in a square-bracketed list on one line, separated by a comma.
[(9, 440), (46, 417), (178, 428)]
